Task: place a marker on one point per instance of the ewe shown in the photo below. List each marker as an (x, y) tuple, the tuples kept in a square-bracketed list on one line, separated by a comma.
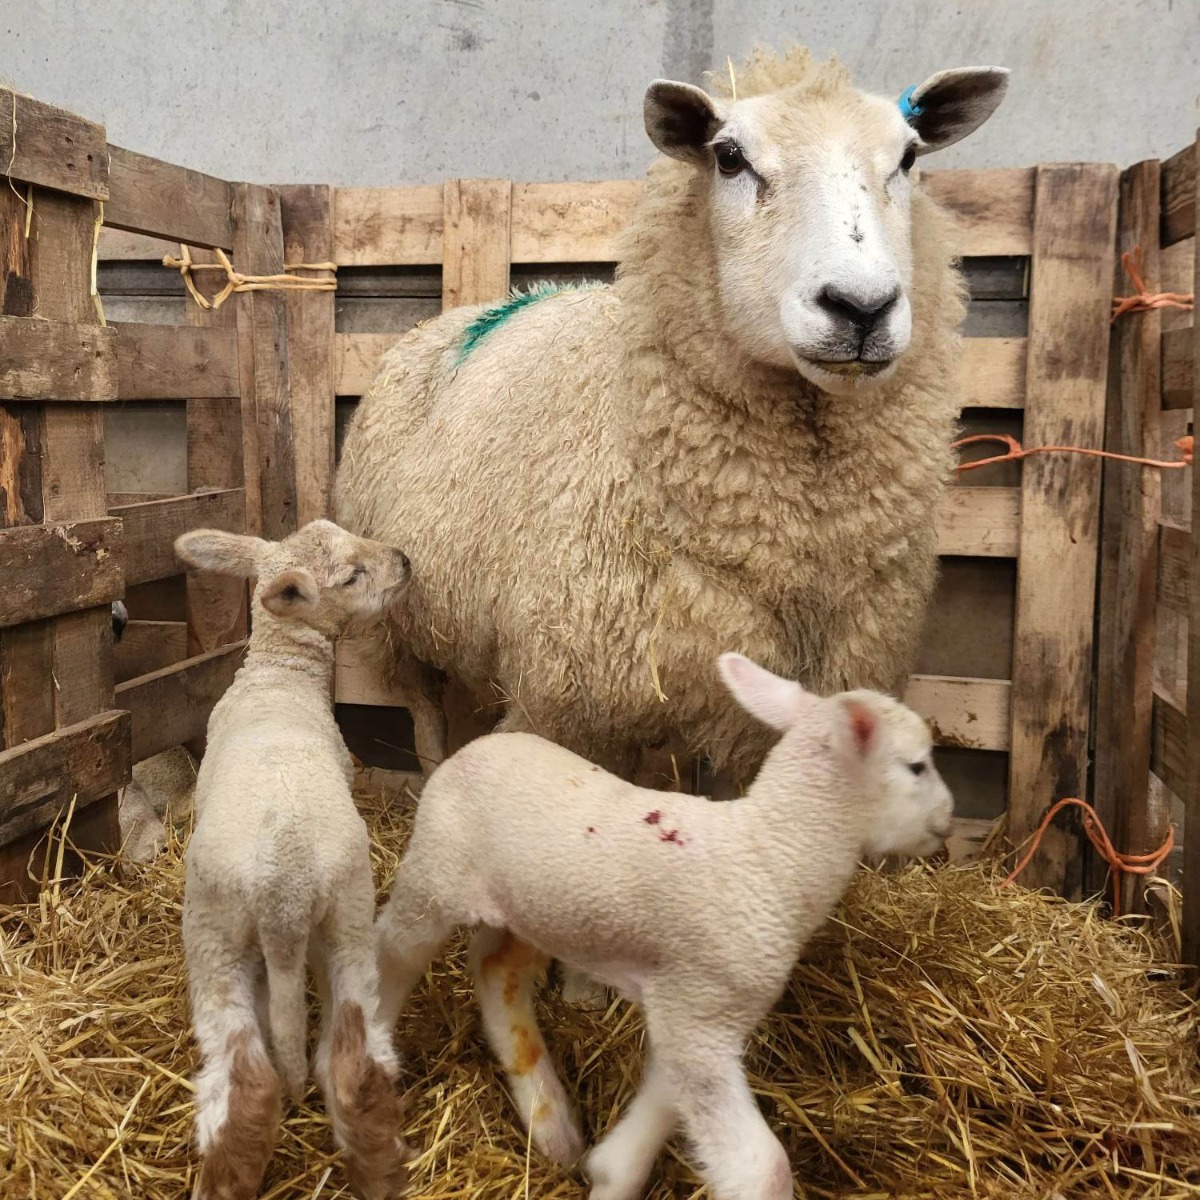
[(740, 443), (279, 868), (696, 910)]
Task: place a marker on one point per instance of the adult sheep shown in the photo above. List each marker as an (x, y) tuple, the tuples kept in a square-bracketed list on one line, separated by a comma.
[(740, 444)]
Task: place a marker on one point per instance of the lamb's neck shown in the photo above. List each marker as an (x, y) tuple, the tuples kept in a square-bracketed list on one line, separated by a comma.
[(303, 653)]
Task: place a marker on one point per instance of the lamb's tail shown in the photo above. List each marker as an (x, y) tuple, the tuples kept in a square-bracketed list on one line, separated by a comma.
[(287, 1010)]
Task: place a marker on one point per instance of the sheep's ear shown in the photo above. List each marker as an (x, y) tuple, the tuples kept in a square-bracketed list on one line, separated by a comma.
[(860, 726), (225, 553), (681, 119), (952, 104), (291, 594), (774, 701)]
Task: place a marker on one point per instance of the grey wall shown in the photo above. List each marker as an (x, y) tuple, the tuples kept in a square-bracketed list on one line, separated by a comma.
[(362, 92)]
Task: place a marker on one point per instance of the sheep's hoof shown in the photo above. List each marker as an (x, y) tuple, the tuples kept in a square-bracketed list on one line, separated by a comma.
[(583, 991)]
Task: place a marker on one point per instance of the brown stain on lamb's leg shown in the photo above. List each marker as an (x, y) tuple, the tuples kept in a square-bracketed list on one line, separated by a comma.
[(518, 960), (528, 1049)]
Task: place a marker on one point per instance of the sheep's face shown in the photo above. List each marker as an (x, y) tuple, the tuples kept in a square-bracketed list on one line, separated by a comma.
[(808, 192), (321, 575)]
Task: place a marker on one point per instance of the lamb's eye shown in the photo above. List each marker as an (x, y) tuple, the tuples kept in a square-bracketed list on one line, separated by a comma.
[(730, 159), (917, 768), (910, 157), (355, 576)]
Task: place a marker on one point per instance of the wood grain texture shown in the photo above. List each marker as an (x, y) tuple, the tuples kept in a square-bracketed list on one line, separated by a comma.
[(1169, 756), (166, 201), (1071, 290), (307, 214), (981, 522), (380, 226), (994, 207), (477, 215), (969, 713), (51, 360), (1179, 196), (176, 362), (571, 222), (1191, 792), (356, 360), (1177, 368), (1174, 569), (147, 646), (52, 148)]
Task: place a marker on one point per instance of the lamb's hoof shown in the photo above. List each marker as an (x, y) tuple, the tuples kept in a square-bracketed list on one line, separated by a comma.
[(556, 1135), (608, 1181), (583, 992)]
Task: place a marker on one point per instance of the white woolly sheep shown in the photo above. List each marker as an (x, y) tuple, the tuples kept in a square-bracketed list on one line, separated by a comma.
[(696, 910), (278, 869), (740, 443)]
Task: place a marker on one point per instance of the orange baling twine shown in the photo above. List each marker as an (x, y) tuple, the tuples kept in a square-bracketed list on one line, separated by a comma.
[(1143, 300), (1120, 864), (235, 281), (1017, 451)]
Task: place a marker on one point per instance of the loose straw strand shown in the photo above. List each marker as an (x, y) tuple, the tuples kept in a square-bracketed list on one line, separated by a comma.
[(235, 281), (1144, 300)]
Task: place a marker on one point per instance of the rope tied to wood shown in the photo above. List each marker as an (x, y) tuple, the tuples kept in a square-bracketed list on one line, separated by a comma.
[(235, 281), (1144, 300), (1119, 864), (1016, 451)]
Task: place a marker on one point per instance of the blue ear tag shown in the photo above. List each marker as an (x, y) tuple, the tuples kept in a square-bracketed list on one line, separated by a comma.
[(908, 109)]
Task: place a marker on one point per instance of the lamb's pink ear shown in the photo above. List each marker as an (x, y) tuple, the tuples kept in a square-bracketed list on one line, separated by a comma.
[(681, 119), (234, 554), (862, 726), (774, 701), (290, 594)]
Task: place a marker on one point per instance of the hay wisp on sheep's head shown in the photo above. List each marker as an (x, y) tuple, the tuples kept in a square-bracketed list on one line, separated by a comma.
[(807, 186)]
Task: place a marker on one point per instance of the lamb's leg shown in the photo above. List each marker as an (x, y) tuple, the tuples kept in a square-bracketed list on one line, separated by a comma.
[(421, 686), (505, 971)]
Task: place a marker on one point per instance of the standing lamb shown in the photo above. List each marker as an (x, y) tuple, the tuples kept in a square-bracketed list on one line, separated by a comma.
[(279, 869), (695, 910), (742, 442)]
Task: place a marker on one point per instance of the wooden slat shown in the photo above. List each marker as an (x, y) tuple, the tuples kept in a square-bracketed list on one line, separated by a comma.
[(571, 222), (151, 529), (1071, 292), (86, 762), (176, 362), (477, 225), (51, 147), (172, 706), (381, 226), (52, 360), (1177, 368), (46, 570), (358, 682), (994, 207), (1179, 196), (147, 646), (308, 237), (994, 373), (1191, 791), (161, 199), (1169, 746), (963, 712), (1174, 565), (1128, 557), (356, 359), (980, 522), (119, 245)]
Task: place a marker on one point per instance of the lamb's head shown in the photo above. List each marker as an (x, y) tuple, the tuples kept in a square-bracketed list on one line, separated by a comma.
[(883, 747), (320, 575), (807, 190)]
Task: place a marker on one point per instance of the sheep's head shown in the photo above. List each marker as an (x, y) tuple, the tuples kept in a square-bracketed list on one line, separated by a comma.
[(321, 575), (808, 195)]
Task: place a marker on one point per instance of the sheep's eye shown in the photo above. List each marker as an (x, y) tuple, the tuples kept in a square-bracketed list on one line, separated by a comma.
[(910, 157), (917, 768), (730, 159), (355, 576)]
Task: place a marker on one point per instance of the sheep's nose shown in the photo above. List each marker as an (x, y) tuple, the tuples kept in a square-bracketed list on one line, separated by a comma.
[(862, 309), (402, 559)]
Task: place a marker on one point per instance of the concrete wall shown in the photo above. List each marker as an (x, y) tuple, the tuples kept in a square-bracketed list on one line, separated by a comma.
[(368, 92)]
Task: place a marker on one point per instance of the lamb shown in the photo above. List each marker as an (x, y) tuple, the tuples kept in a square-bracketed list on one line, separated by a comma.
[(279, 865), (742, 442), (695, 910)]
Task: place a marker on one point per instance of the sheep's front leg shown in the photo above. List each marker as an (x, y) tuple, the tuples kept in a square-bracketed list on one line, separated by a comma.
[(505, 971)]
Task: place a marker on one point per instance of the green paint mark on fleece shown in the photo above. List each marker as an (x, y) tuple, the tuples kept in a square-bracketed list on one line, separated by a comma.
[(495, 316)]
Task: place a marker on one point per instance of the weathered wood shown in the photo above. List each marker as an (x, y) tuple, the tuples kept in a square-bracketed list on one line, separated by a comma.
[(1074, 229), (52, 569), (1169, 749), (356, 359), (172, 706), (52, 360), (1179, 196), (571, 222), (308, 237), (378, 226), (1190, 793), (357, 680), (86, 762), (119, 245), (994, 207), (1128, 557), (147, 646), (982, 522), (1174, 566), (52, 148), (176, 362), (166, 201), (151, 529), (971, 713), (477, 254), (1177, 368)]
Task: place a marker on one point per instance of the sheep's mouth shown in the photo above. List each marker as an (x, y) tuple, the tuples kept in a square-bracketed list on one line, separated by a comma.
[(852, 366)]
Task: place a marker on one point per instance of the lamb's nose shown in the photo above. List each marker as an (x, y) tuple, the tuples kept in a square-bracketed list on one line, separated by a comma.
[(402, 559), (864, 310)]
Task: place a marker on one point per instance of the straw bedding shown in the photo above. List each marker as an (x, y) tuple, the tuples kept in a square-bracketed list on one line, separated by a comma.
[(941, 1039)]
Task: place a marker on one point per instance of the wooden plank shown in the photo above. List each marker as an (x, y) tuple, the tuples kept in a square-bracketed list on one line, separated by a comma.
[(994, 207), (972, 713), (1071, 293), (171, 707), (1132, 503), (86, 761), (52, 569), (477, 253), (1174, 564), (1169, 748), (176, 362), (356, 359), (994, 373), (356, 679), (308, 237), (980, 522), (119, 245), (151, 529), (52, 360), (382, 226), (571, 222), (1190, 792), (166, 201), (1179, 196), (147, 646), (1177, 368), (51, 147)]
